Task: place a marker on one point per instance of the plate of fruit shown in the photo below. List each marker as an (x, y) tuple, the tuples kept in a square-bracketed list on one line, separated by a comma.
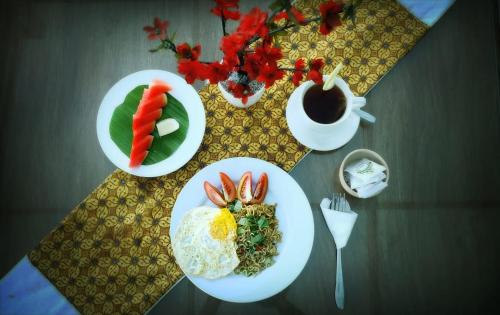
[(150, 123), (241, 229)]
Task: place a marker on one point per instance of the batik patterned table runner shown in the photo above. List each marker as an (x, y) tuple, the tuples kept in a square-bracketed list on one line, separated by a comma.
[(112, 253)]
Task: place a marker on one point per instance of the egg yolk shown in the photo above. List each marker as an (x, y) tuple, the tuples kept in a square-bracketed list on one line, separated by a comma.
[(223, 224)]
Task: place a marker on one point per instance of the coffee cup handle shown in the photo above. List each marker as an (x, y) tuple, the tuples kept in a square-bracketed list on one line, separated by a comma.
[(358, 102)]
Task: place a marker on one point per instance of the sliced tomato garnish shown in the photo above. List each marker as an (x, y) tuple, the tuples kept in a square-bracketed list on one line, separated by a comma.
[(260, 189), (214, 194), (228, 188), (245, 188)]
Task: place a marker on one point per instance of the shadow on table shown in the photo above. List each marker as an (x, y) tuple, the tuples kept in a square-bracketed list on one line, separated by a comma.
[(278, 302)]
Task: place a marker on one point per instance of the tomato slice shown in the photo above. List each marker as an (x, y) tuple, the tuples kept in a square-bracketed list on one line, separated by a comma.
[(260, 189), (214, 194), (228, 188), (245, 188)]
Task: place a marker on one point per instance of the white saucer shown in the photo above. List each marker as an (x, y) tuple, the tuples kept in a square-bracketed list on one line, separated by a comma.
[(182, 91), (314, 140)]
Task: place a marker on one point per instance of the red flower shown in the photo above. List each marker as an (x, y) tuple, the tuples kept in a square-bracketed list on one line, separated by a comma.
[(253, 63), (158, 30), (216, 72), (184, 51), (296, 14), (330, 16), (231, 44), (269, 54), (298, 73), (222, 9), (315, 67), (254, 23), (280, 16), (192, 70), (269, 74), (239, 91)]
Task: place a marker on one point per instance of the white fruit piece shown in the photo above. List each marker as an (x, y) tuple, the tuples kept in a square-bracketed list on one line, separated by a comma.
[(167, 126)]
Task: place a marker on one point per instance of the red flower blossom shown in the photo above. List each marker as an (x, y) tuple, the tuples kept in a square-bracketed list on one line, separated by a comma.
[(192, 70), (269, 54), (239, 91), (269, 74), (280, 16), (298, 73), (295, 12), (330, 16), (253, 63), (216, 72), (231, 44), (254, 23), (315, 67), (184, 51), (158, 30), (223, 7)]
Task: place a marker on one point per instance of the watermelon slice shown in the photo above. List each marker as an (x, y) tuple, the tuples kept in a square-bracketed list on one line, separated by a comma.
[(158, 87), (152, 103), (140, 119), (148, 112), (144, 130), (142, 144), (137, 157)]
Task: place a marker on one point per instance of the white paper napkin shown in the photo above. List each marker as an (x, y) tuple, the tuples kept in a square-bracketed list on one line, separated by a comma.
[(339, 223)]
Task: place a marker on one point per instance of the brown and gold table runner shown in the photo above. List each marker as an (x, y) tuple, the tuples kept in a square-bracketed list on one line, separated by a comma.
[(112, 253)]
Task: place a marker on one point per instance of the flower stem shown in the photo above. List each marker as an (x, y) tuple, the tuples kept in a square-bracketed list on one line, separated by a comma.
[(293, 69), (223, 20), (271, 33)]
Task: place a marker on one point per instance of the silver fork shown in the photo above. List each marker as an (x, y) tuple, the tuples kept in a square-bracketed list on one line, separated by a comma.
[(339, 203)]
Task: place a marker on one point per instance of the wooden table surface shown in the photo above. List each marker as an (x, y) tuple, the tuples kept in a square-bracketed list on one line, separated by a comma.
[(429, 243)]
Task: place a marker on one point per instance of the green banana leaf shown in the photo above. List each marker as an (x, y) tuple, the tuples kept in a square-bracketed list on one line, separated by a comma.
[(120, 127)]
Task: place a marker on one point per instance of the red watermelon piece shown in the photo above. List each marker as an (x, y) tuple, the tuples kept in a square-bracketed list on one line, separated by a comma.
[(148, 112), (141, 119), (137, 157), (158, 87), (152, 103), (142, 144), (144, 130)]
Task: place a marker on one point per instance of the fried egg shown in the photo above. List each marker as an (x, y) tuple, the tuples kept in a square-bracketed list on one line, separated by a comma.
[(204, 243)]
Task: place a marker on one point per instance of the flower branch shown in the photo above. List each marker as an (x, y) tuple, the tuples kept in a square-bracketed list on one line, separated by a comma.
[(241, 64)]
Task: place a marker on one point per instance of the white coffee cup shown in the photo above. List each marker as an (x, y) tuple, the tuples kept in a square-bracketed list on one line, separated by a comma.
[(352, 103)]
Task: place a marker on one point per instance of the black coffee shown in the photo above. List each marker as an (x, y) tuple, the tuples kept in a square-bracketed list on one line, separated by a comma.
[(324, 107)]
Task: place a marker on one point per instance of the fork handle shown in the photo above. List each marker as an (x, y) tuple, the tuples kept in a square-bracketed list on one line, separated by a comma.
[(339, 282)]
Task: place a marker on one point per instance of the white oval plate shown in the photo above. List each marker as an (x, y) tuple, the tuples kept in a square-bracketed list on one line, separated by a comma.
[(314, 140), (295, 223), (182, 91)]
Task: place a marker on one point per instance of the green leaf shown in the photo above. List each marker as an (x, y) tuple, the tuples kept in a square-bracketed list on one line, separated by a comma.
[(240, 230), (257, 238), (243, 221), (237, 206), (263, 222), (120, 127), (349, 13), (292, 17), (276, 5)]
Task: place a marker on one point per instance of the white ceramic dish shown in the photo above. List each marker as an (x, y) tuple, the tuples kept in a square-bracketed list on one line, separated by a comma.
[(358, 155), (310, 138), (182, 91), (295, 222)]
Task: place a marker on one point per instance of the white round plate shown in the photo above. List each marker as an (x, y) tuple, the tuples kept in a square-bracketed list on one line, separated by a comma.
[(295, 223), (182, 91), (314, 140)]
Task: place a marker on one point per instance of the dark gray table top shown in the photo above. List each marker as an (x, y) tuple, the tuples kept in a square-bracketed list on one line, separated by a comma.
[(429, 243)]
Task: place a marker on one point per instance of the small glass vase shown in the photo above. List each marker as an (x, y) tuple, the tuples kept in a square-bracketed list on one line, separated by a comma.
[(258, 87)]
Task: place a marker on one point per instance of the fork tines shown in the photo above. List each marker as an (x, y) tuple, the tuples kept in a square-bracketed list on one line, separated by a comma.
[(339, 203)]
